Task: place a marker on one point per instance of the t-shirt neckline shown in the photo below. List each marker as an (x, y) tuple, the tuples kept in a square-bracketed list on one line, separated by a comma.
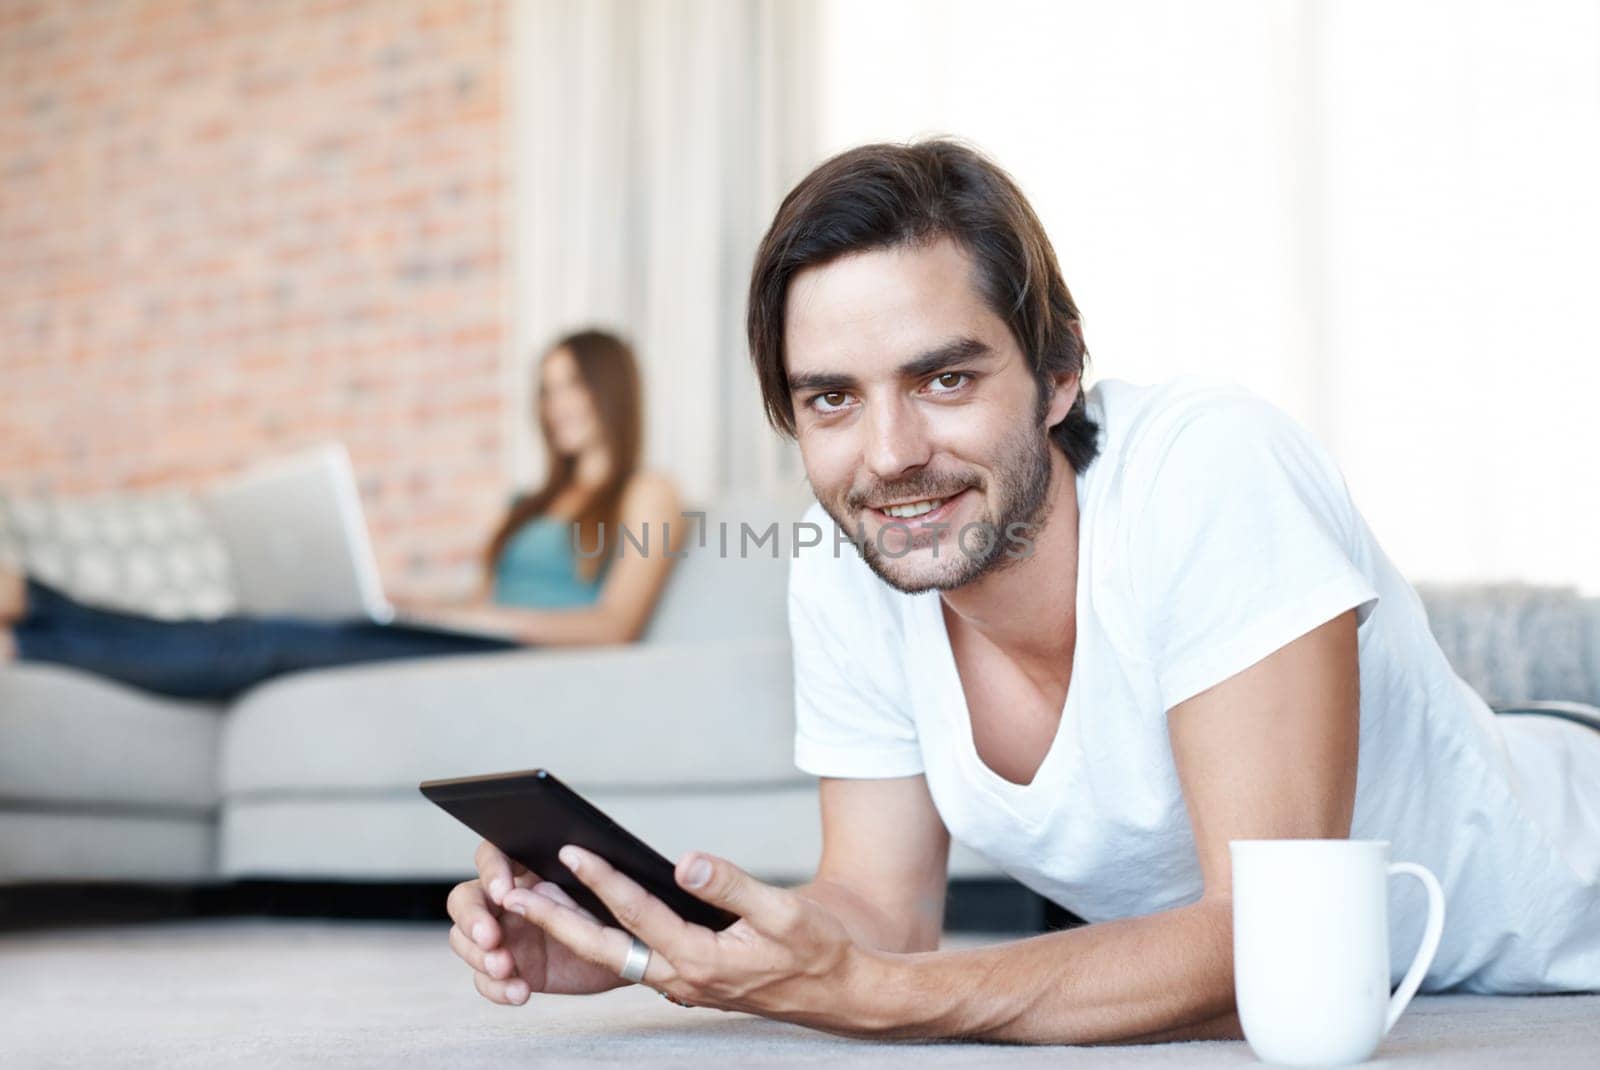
[(952, 699)]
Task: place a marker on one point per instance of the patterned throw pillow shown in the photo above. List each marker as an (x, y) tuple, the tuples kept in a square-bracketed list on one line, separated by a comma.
[(152, 553)]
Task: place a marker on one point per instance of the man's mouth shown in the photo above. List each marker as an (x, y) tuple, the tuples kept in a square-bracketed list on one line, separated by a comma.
[(927, 510)]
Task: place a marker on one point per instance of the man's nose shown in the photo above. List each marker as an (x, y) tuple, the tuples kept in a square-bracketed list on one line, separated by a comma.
[(896, 439)]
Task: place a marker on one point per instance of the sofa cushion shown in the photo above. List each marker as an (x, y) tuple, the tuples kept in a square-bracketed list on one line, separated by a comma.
[(732, 582), (71, 846), (622, 716), (72, 737), (773, 832)]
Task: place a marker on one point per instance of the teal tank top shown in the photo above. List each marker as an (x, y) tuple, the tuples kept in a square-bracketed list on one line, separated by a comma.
[(539, 570)]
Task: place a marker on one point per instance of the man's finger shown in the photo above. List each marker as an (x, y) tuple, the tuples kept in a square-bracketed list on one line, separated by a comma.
[(516, 899), (551, 890), (512, 993), (497, 872), (586, 938), (635, 909), (469, 909), (719, 882), (495, 963)]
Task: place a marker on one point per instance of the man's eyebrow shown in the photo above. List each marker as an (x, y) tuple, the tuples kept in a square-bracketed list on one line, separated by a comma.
[(949, 353), (916, 368)]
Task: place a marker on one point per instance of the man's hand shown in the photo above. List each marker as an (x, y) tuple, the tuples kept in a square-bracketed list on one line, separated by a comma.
[(510, 957), (787, 957)]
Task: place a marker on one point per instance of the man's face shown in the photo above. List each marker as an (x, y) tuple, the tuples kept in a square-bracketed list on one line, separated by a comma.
[(917, 414)]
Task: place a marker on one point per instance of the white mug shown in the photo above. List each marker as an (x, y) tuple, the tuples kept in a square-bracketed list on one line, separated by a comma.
[(1311, 947)]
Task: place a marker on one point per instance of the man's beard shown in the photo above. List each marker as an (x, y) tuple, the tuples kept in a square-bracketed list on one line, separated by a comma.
[(1022, 476)]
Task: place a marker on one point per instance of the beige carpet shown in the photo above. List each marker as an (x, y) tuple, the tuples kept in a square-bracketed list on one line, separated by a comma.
[(294, 993)]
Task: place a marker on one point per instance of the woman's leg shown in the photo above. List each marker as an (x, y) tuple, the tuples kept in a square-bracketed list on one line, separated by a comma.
[(13, 606), (214, 659), (13, 596)]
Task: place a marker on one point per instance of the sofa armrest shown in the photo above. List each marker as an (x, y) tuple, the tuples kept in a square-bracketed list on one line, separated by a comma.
[(1513, 642)]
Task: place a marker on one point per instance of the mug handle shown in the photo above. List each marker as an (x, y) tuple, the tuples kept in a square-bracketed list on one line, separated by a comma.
[(1430, 940)]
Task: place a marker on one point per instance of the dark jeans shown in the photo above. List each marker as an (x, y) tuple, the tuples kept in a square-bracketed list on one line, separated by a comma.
[(214, 659)]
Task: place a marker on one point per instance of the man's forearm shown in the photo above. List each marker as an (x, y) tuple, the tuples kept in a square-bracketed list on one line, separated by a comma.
[(1167, 976)]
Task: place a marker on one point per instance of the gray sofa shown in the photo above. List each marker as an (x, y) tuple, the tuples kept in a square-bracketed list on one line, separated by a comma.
[(685, 737)]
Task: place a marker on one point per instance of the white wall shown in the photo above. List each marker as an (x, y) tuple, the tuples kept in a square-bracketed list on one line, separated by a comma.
[(1379, 215), (1462, 280)]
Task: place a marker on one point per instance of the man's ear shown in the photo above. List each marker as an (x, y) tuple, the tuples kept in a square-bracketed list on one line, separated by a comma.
[(1063, 394)]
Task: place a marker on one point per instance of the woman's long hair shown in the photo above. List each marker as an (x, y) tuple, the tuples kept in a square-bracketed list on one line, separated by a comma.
[(608, 371)]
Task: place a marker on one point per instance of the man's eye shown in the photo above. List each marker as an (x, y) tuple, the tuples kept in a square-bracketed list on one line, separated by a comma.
[(948, 381), (831, 401)]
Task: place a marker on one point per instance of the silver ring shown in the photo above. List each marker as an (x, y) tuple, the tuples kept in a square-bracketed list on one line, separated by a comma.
[(637, 962)]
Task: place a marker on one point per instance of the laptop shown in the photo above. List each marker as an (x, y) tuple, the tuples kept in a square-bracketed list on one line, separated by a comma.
[(298, 544)]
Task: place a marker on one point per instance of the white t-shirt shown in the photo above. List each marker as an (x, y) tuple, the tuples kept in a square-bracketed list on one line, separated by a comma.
[(1214, 530)]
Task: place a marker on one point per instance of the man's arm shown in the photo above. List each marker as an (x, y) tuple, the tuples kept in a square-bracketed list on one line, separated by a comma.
[(885, 860), (1268, 753)]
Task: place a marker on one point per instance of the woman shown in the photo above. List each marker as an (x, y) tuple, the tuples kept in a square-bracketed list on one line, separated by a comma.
[(554, 570)]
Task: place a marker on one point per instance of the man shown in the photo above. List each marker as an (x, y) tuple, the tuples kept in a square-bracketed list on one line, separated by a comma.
[(1179, 631)]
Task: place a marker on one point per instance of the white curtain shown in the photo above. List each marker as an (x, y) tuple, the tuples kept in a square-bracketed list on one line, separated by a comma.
[(652, 144), (1380, 214)]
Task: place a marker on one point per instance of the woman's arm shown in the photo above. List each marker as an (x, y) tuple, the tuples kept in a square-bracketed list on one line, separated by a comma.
[(649, 510), (480, 597)]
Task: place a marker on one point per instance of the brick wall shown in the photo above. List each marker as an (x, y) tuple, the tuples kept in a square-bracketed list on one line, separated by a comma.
[(232, 229)]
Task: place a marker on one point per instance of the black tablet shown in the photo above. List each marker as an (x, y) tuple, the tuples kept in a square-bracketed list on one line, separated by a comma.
[(530, 815)]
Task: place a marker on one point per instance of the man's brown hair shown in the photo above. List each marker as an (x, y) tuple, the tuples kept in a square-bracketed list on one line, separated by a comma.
[(887, 195)]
